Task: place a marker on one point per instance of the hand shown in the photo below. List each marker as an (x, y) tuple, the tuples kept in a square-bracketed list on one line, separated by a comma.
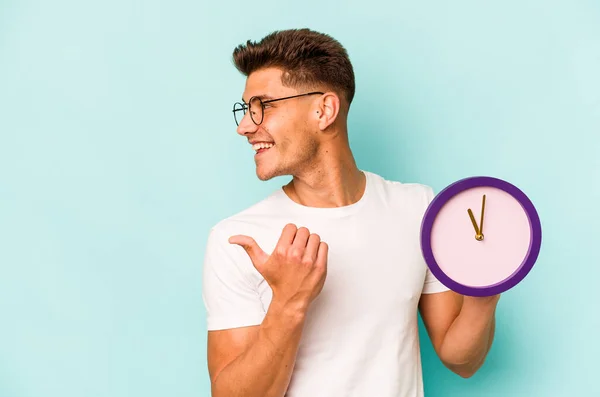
[(297, 268), (474, 223), (482, 211)]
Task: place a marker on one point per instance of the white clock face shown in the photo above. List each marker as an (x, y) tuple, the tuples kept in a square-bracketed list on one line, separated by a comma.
[(505, 244)]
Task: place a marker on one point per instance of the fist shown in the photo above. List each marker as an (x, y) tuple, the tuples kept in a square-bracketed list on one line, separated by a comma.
[(297, 267)]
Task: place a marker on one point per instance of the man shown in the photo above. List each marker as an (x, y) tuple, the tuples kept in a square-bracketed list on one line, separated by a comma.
[(314, 291)]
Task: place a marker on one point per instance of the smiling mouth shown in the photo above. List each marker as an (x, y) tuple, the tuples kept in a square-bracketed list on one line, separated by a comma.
[(262, 147)]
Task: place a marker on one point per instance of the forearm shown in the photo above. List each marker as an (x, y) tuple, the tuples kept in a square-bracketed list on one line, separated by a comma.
[(469, 339), (265, 368)]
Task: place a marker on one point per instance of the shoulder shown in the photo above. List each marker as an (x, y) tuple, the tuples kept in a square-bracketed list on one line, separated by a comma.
[(401, 192)]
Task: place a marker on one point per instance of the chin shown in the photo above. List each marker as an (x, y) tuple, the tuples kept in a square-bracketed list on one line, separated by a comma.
[(265, 174)]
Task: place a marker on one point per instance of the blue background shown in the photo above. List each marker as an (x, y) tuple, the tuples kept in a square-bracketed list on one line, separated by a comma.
[(118, 152)]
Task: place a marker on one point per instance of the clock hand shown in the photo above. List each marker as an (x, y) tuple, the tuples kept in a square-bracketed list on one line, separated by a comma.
[(482, 211), (473, 221)]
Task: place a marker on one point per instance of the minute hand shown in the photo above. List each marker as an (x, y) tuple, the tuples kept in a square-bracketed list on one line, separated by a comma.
[(482, 211)]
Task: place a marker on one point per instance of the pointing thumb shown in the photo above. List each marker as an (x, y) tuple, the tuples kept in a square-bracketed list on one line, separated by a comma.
[(256, 254)]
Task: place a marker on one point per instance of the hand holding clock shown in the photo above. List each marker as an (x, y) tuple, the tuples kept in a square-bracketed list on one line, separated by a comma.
[(478, 272)]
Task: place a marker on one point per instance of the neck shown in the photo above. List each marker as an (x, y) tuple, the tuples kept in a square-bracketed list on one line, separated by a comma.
[(333, 180)]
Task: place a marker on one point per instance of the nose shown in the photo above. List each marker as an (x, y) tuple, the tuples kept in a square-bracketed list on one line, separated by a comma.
[(246, 126)]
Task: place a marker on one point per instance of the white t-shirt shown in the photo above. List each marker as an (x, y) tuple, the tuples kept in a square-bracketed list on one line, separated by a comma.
[(361, 332)]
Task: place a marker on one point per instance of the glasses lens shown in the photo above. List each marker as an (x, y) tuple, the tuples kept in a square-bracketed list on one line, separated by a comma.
[(256, 110), (238, 112)]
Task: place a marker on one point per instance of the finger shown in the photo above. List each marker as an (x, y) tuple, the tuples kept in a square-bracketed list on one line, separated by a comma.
[(322, 255), (287, 235), (312, 247), (256, 254), (301, 239)]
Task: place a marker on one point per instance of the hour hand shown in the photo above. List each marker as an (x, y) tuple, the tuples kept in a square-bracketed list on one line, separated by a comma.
[(478, 235), (473, 221)]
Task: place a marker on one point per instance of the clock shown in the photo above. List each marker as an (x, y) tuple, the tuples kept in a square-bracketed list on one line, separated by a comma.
[(480, 236)]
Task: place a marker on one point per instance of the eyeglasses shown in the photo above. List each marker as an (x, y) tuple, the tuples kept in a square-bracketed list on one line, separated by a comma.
[(256, 106)]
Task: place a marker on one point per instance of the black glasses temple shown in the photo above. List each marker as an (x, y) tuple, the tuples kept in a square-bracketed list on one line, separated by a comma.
[(293, 96)]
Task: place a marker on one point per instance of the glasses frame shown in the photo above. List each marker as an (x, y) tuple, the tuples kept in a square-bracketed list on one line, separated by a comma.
[(247, 106)]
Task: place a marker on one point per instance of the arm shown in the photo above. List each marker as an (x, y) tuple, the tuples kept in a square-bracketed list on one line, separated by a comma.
[(461, 328), (256, 361)]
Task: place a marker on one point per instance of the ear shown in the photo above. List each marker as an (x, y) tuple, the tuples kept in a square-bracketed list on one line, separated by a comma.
[(327, 110)]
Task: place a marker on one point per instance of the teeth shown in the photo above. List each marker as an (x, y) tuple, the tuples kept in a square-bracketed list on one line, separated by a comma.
[(261, 145)]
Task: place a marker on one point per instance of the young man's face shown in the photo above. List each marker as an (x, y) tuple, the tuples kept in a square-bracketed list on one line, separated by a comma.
[(290, 126)]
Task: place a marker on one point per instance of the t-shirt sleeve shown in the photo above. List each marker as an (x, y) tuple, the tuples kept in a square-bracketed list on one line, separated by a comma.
[(230, 298), (432, 284)]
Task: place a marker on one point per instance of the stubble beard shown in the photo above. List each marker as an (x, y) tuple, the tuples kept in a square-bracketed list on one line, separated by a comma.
[(296, 163)]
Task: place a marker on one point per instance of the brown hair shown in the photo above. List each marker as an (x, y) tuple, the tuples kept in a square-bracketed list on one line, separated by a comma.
[(307, 58)]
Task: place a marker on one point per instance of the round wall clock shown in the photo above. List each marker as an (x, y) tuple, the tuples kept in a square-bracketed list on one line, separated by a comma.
[(480, 236)]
